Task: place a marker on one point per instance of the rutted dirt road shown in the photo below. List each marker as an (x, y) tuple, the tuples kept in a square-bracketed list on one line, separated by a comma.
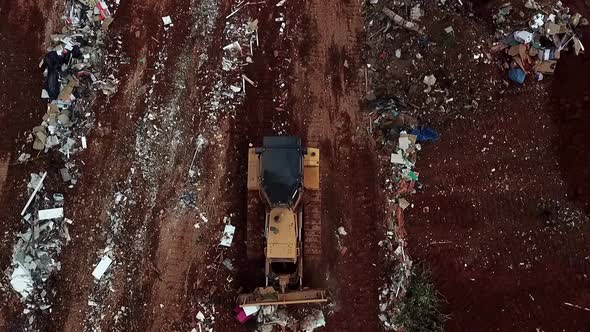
[(329, 87)]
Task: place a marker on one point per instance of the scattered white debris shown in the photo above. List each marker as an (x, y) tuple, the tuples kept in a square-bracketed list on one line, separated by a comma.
[(314, 320), (233, 46), (21, 281), (200, 316), (167, 20), (397, 158), (524, 37), (228, 235), (38, 184), (24, 157), (250, 309), (249, 80), (342, 231), (51, 213), (416, 13), (102, 267)]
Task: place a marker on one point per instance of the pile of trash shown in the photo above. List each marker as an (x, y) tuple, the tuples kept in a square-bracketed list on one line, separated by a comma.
[(35, 254), (387, 119), (72, 70), (268, 317), (397, 261), (536, 48)]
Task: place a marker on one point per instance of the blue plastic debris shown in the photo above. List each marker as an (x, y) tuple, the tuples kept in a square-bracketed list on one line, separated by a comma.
[(516, 75), (425, 134)]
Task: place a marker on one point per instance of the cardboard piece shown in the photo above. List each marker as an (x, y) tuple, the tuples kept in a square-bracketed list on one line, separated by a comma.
[(403, 203), (499, 47), (66, 93), (520, 50), (545, 67), (555, 29), (519, 62), (107, 21)]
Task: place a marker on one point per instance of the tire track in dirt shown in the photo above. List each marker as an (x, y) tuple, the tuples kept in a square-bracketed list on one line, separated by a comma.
[(4, 160), (328, 94), (569, 104)]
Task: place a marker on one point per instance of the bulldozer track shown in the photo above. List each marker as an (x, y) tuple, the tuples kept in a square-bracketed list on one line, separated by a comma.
[(312, 235), (255, 227)]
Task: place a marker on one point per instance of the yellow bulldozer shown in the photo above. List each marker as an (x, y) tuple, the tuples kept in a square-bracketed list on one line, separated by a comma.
[(284, 221)]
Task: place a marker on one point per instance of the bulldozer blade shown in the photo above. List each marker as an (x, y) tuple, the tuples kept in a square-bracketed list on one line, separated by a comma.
[(269, 296)]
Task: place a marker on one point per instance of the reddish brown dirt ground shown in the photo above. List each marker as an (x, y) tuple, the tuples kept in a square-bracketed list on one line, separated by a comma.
[(495, 258), (328, 94), (486, 234), (20, 88)]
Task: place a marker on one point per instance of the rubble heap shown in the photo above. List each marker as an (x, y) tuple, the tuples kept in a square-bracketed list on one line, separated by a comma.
[(72, 69), (538, 44), (35, 254), (398, 132), (397, 261)]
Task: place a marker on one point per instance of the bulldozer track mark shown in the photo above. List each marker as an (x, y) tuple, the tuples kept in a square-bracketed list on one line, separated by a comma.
[(4, 160)]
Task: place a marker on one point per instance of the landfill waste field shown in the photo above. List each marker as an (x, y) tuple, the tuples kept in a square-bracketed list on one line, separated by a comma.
[(294, 165)]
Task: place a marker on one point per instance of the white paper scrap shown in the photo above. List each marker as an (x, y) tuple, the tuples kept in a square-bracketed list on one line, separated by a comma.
[(228, 235), (102, 267), (397, 158), (51, 213), (167, 20), (21, 281), (250, 309)]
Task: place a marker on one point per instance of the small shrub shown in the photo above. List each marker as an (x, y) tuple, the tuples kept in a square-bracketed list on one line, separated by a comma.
[(421, 310)]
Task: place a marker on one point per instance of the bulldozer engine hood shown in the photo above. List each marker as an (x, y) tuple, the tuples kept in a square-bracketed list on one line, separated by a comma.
[(282, 235)]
